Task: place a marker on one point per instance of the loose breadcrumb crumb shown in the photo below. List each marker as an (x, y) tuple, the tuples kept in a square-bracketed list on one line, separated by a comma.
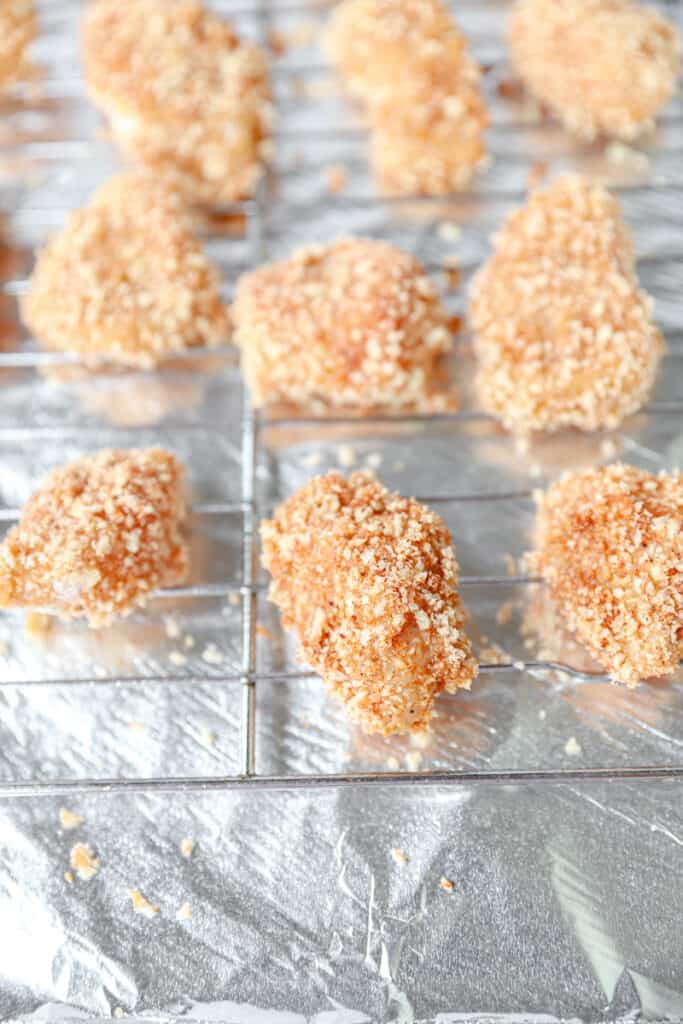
[(572, 747), (181, 92), (563, 335), (141, 905), (172, 628), (346, 456), (408, 62), (177, 658), (187, 846), (369, 580), (446, 885), (18, 28), (98, 536), (337, 177), (414, 760), (68, 877), (610, 546), (356, 323), (212, 655), (399, 856), (69, 819), (603, 66), (184, 911), (84, 862), (126, 281)]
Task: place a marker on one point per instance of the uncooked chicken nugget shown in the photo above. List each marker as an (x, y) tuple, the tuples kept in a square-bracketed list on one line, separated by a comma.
[(354, 323), (17, 29), (181, 92), (610, 546), (407, 61), (428, 134), (603, 66), (369, 581), (563, 334), (98, 537), (126, 281)]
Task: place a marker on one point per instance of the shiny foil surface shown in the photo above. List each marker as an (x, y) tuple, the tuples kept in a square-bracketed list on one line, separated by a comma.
[(543, 879)]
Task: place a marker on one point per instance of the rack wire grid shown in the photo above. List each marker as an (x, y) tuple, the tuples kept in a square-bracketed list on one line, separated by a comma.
[(52, 145)]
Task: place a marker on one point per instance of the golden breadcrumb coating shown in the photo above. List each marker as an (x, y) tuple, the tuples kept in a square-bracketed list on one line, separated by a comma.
[(369, 581), (18, 28), (98, 536), (353, 323), (181, 91), (407, 61), (563, 335), (126, 281), (603, 66), (610, 546)]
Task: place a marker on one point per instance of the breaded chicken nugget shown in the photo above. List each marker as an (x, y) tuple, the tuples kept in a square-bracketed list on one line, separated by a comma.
[(408, 63), (610, 546), (98, 537), (563, 335), (126, 281), (181, 92), (354, 323), (369, 581), (601, 65)]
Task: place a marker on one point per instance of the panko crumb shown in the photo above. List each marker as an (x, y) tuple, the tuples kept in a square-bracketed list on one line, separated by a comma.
[(563, 335), (69, 819), (172, 628), (572, 747), (409, 64), (212, 655), (446, 885), (413, 760), (98, 536), (84, 862), (184, 912), (357, 323), (18, 28), (346, 456), (337, 177), (187, 847), (181, 92), (399, 856), (609, 544), (141, 905), (369, 580), (603, 66), (126, 281)]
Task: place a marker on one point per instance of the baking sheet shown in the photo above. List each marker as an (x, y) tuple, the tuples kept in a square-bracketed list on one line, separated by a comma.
[(566, 899)]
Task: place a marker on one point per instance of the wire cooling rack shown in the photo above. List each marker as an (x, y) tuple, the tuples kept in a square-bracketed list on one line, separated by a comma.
[(316, 131)]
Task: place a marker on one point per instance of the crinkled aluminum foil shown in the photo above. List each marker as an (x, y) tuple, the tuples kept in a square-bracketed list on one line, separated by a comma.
[(478, 902)]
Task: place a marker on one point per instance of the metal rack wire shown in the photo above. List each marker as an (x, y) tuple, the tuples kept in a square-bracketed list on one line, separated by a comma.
[(251, 508)]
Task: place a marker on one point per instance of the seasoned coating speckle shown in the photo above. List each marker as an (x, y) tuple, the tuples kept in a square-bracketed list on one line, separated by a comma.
[(126, 281), (98, 537), (610, 546), (369, 581), (181, 92), (18, 28), (603, 66), (408, 63), (563, 335), (353, 323)]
